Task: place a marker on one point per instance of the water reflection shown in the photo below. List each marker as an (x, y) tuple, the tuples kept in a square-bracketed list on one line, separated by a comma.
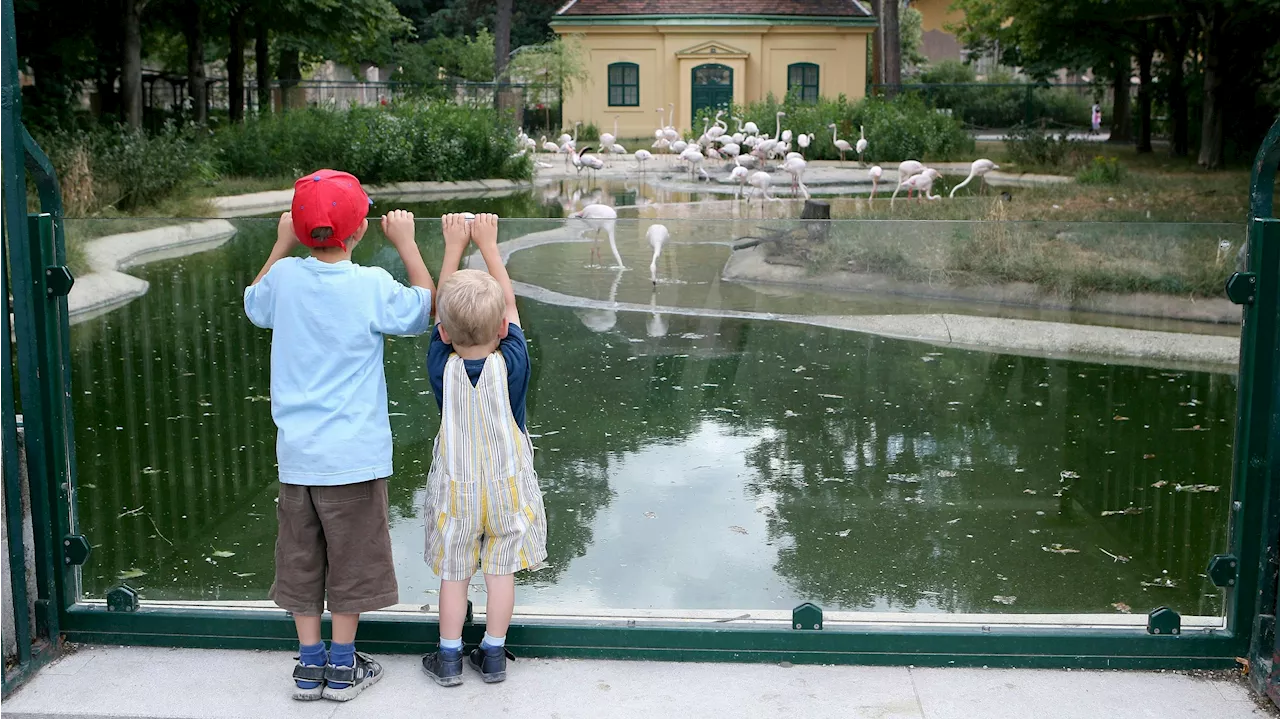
[(687, 462)]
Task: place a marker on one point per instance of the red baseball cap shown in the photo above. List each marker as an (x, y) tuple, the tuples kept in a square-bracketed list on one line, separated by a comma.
[(328, 198)]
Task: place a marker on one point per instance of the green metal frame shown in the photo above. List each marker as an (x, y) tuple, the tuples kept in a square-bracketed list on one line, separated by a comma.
[(698, 93), (572, 21)]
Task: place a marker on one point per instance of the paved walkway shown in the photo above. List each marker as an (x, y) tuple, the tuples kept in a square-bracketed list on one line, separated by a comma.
[(182, 683)]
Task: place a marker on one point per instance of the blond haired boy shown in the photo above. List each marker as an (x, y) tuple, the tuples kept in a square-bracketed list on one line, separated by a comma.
[(483, 507)]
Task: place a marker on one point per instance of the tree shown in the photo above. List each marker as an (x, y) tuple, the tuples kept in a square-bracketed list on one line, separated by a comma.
[(891, 43), (561, 63), (235, 65), (501, 37), (193, 30), (131, 69), (911, 38)]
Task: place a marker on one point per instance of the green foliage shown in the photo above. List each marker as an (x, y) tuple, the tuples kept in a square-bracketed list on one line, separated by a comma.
[(441, 57), (948, 71), (1101, 171), (895, 129), (125, 169), (911, 32), (405, 142), (561, 63), (1034, 147)]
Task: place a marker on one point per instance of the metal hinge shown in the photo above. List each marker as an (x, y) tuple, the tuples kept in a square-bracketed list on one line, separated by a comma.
[(1223, 570), (1164, 620), (75, 550), (58, 281), (123, 598), (807, 617), (1242, 287)]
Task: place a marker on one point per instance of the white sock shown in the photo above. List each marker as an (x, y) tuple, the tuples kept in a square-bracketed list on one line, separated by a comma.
[(453, 645), (492, 641)]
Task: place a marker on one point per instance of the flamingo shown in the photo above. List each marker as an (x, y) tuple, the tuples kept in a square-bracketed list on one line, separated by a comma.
[(795, 166), (750, 128), (730, 149), (589, 162), (669, 131), (658, 236), (739, 174), (603, 320), (842, 145), (715, 131), (777, 132), (693, 156), (922, 183), (906, 169), (875, 172), (657, 324), (861, 145), (760, 180), (978, 169), (642, 156), (803, 141), (607, 139), (679, 146), (600, 217)]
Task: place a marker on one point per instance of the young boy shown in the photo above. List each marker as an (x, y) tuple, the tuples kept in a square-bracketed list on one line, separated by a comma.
[(333, 437), (483, 503)]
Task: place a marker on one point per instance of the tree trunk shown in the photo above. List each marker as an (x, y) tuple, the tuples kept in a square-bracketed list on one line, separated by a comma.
[(1145, 91), (501, 37), (289, 72), (1211, 138), (197, 90), (131, 64), (1121, 120), (891, 41), (235, 66), (262, 66), (1177, 90)]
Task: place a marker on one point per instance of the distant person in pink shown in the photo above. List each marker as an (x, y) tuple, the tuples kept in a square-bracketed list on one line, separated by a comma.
[(1097, 118)]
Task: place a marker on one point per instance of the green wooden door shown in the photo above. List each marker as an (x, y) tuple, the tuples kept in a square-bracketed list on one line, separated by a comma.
[(712, 87)]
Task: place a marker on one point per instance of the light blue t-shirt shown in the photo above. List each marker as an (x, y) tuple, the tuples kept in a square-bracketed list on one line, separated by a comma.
[(328, 390)]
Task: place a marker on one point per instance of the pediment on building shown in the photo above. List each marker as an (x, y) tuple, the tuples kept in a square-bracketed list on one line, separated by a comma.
[(713, 49)]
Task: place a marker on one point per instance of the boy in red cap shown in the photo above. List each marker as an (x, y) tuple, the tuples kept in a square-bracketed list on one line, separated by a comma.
[(328, 317)]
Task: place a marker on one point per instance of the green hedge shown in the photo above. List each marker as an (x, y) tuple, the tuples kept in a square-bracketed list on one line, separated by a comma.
[(407, 142), (895, 129)]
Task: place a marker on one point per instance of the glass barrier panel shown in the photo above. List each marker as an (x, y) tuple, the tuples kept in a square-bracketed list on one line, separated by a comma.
[(898, 416)]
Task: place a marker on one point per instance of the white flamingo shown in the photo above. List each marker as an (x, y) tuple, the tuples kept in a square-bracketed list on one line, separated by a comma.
[(777, 132), (803, 141), (739, 174), (642, 156), (600, 217), (693, 156), (875, 172), (607, 139), (750, 128), (795, 166), (906, 169), (603, 320), (922, 183), (978, 169), (760, 181), (842, 145), (670, 130), (861, 145), (715, 131), (657, 236)]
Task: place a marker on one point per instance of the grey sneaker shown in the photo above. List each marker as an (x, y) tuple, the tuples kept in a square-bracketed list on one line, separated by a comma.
[(491, 662), (363, 675), (308, 674), (444, 667)]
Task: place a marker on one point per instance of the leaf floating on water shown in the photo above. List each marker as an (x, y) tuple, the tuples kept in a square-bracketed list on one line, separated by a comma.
[(1121, 607), (831, 396), (258, 398), (904, 478), (1068, 474), (953, 521), (242, 575), (1148, 456), (1159, 484), (151, 470), (131, 574), (946, 473), (1196, 488), (1114, 557), (223, 554), (1057, 548), (650, 515), (789, 413), (1161, 583), (1126, 510), (1118, 418), (1002, 599), (1192, 428), (129, 512), (843, 533), (1028, 491), (737, 529)]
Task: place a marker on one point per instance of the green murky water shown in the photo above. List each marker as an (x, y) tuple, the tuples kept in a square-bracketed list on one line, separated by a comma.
[(688, 462)]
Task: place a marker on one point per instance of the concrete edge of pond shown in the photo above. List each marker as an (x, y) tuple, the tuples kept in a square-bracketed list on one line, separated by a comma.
[(1147, 348), (106, 287), (259, 203)]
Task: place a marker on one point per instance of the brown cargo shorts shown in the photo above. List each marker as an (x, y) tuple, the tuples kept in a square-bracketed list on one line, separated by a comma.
[(334, 541)]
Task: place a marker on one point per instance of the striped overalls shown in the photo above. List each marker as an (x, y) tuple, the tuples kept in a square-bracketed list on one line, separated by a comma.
[(483, 505)]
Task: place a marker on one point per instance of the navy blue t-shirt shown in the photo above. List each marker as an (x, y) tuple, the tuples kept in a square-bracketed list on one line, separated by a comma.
[(514, 350)]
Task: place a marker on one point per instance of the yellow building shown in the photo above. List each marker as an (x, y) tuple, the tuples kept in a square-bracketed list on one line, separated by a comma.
[(939, 43), (692, 54)]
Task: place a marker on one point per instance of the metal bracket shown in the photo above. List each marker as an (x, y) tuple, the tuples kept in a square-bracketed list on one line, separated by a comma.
[(75, 550), (1164, 620), (807, 617), (58, 281), (123, 598), (1242, 287), (470, 617), (1223, 569)]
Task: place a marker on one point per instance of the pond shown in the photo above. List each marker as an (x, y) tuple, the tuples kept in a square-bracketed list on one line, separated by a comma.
[(688, 462)]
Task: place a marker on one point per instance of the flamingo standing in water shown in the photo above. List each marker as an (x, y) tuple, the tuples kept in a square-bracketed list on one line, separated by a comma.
[(795, 166), (600, 217), (861, 145), (842, 145), (978, 169), (607, 139), (922, 183), (739, 174), (657, 236), (875, 172), (906, 169), (642, 156), (760, 181)]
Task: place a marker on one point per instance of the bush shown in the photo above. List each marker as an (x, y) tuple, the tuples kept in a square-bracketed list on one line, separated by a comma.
[(125, 169), (1101, 171), (895, 129), (404, 142), (1034, 147)]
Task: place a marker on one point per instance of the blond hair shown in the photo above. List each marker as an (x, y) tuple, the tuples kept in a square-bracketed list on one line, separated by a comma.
[(471, 304)]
